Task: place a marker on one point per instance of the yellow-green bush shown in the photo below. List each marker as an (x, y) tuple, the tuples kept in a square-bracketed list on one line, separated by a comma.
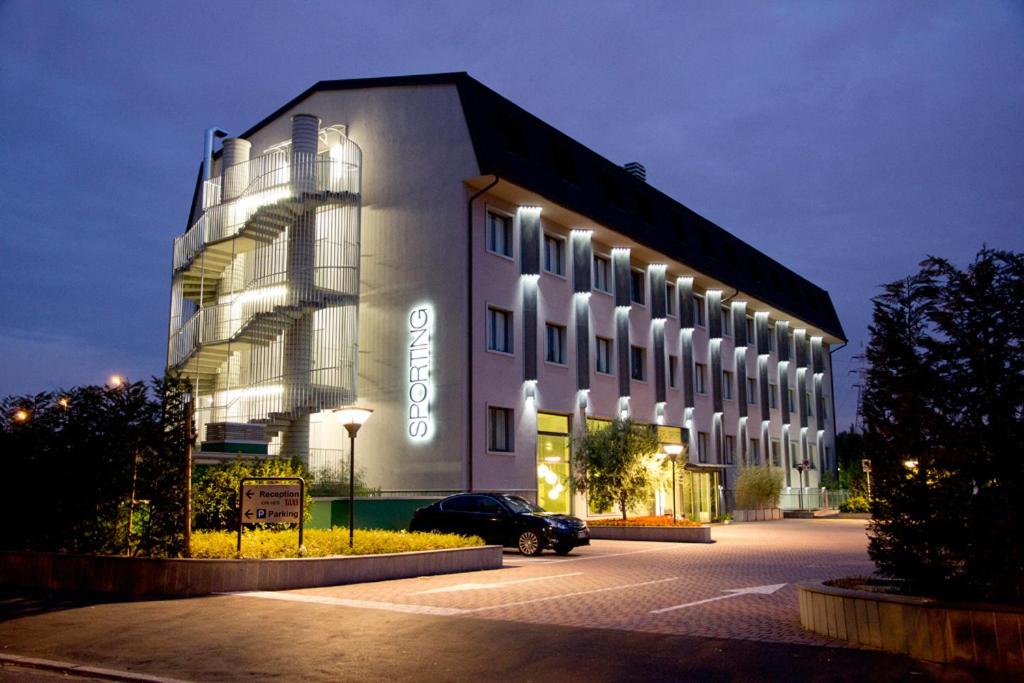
[(758, 487), (267, 543)]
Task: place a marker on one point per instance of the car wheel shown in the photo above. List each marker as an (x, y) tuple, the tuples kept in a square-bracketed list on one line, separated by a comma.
[(563, 549), (529, 543)]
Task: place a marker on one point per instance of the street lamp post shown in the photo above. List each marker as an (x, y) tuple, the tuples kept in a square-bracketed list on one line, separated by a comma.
[(352, 418), (800, 486), (673, 450)]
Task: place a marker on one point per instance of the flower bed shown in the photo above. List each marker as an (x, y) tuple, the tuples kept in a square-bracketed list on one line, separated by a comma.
[(643, 522), (268, 543)]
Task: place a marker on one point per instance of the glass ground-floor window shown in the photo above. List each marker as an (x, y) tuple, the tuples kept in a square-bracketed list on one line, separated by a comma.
[(553, 488)]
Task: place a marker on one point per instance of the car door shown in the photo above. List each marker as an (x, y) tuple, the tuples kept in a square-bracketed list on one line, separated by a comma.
[(492, 520), (458, 515)]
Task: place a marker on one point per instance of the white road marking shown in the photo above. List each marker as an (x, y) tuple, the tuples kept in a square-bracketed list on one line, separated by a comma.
[(484, 586), (570, 595), (732, 593), (344, 602)]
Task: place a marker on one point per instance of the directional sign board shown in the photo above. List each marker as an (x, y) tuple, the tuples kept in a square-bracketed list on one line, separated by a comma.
[(271, 503)]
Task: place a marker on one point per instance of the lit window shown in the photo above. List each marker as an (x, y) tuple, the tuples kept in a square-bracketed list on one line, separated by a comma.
[(604, 355), (602, 274), (670, 299), (673, 370), (727, 384), (636, 287), (499, 430), (499, 330), (638, 363), (751, 390), (698, 310), (554, 254), (555, 344), (499, 234), (700, 377)]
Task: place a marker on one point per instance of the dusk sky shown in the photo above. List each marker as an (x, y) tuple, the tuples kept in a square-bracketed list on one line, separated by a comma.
[(846, 140)]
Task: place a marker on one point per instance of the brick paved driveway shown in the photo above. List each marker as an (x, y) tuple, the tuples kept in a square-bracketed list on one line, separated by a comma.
[(622, 585)]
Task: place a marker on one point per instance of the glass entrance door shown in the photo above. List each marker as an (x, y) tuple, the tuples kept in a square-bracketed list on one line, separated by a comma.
[(700, 495), (553, 488)]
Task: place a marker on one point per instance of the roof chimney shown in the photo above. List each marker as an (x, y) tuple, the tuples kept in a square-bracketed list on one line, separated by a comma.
[(637, 170)]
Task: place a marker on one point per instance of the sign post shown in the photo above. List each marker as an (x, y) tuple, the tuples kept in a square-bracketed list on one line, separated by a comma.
[(865, 465), (266, 500)]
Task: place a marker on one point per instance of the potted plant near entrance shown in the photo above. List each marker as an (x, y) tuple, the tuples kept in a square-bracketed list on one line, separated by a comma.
[(757, 494)]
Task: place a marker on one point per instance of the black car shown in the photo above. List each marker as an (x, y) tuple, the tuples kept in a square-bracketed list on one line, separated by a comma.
[(503, 519)]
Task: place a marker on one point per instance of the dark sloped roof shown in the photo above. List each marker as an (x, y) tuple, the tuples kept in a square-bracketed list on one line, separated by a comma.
[(519, 147)]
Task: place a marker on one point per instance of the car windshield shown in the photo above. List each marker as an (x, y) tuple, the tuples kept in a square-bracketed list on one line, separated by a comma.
[(521, 504)]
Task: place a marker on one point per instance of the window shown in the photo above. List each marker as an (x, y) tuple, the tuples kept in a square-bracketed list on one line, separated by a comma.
[(751, 390), (828, 457), (750, 330), (670, 299), (556, 344), (794, 450), (791, 401), (776, 453), (730, 449), (807, 402), (673, 370), (772, 400), (755, 451), (604, 355), (726, 321), (554, 254), (499, 430), (499, 330), (488, 505), (812, 452), (771, 338), (727, 384), (460, 504), (636, 287), (602, 274), (638, 363), (698, 310), (499, 234), (701, 377), (702, 446)]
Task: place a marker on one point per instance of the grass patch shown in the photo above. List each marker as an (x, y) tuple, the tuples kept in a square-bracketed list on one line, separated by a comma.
[(273, 543), (643, 521)]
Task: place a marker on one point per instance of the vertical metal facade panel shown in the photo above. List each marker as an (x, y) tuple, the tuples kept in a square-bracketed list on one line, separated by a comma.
[(802, 348), (739, 323), (529, 241), (762, 385), (741, 381), (801, 396), (622, 349), (784, 407), (659, 359), (658, 293), (686, 355), (620, 267), (787, 463), (684, 290), (582, 255), (817, 357), (582, 341), (714, 301), (761, 333), (782, 339), (715, 351), (819, 403), (530, 329)]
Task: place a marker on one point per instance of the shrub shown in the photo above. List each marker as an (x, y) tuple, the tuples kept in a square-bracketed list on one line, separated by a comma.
[(758, 487), (280, 543), (215, 489), (856, 504)]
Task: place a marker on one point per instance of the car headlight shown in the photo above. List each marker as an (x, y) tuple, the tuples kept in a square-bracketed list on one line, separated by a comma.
[(559, 524)]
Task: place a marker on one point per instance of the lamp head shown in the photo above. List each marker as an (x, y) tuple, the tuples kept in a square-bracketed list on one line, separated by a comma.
[(673, 450), (352, 417)]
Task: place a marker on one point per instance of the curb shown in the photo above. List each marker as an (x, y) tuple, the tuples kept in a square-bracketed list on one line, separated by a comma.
[(85, 670)]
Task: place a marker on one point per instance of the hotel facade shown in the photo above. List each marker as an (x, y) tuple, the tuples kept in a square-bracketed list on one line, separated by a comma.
[(487, 285)]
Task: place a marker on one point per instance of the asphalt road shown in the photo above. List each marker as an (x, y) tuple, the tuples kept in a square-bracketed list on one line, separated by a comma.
[(612, 611)]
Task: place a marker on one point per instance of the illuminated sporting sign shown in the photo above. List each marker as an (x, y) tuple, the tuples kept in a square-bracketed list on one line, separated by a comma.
[(420, 422)]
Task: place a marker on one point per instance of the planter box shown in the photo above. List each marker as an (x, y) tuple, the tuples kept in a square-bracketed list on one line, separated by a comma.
[(670, 534), (147, 577), (975, 635), (761, 515)]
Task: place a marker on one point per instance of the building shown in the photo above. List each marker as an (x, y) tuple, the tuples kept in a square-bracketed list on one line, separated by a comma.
[(424, 247)]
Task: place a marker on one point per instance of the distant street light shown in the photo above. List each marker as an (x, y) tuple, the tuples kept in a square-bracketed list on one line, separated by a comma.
[(116, 381), (352, 418), (21, 415), (673, 450)]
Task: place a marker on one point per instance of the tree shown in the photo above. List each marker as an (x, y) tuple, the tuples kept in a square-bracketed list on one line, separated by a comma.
[(612, 464), (944, 419)]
